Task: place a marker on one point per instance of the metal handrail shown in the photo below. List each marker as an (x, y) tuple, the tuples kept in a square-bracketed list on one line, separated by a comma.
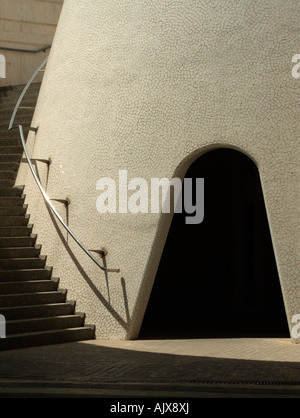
[(45, 196), (34, 51)]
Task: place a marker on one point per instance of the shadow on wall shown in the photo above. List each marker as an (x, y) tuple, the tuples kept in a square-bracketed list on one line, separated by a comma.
[(125, 323)]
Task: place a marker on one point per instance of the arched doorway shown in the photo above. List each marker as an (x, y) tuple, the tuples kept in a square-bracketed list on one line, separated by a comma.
[(219, 278)]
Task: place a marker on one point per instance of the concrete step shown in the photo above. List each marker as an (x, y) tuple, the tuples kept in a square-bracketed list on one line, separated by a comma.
[(4, 122), (21, 252), (37, 298), (8, 288), (44, 324), (15, 135), (12, 166), (18, 88), (26, 125), (23, 263), (26, 274), (11, 149), (47, 337), (8, 174), (10, 99), (20, 119), (12, 201), (11, 191), (14, 220), (16, 231), (8, 242), (12, 141), (12, 134), (6, 183), (38, 311), (24, 111), (9, 102), (10, 158), (13, 210)]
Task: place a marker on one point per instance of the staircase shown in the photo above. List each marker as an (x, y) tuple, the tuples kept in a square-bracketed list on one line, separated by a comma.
[(35, 308)]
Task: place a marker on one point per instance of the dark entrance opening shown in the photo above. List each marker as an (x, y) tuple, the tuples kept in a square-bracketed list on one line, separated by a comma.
[(219, 279)]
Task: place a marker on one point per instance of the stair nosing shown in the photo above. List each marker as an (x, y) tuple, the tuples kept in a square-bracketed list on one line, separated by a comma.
[(61, 291), (67, 302), (75, 315), (49, 332)]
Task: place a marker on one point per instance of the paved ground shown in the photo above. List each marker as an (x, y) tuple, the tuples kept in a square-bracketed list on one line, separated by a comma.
[(164, 368)]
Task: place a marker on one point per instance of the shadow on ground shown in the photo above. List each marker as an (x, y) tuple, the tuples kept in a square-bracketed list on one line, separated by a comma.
[(93, 364)]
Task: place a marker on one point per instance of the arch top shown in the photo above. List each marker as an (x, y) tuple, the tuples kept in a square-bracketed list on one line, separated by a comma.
[(188, 160)]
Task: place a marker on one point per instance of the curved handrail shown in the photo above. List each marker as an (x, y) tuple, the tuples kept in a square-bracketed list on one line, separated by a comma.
[(34, 51), (45, 196)]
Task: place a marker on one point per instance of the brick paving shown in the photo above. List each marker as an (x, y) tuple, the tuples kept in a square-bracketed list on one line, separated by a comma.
[(171, 364)]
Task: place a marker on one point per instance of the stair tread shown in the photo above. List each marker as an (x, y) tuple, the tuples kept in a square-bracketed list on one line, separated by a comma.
[(26, 270), (50, 292), (37, 246), (49, 331), (21, 252), (39, 310), (10, 174), (12, 197), (32, 298), (45, 318), (39, 305), (19, 238), (18, 220), (9, 154), (18, 264), (12, 201), (29, 226), (38, 273), (14, 187), (12, 147), (31, 281), (3, 217), (17, 242), (40, 257)]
